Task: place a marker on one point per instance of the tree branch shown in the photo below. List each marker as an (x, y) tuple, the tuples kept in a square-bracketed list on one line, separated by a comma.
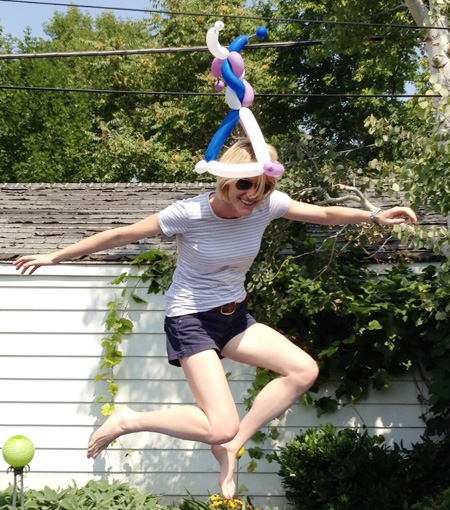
[(354, 195)]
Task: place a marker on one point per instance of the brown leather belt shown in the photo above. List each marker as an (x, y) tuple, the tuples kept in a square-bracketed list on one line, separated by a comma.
[(230, 308)]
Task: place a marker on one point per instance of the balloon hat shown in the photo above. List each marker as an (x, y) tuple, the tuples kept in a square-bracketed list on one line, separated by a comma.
[(229, 64)]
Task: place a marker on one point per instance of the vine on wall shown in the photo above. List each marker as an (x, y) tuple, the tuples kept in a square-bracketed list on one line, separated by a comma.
[(153, 269)]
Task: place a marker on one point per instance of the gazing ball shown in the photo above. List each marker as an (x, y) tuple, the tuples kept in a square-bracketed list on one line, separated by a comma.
[(18, 451), (261, 32)]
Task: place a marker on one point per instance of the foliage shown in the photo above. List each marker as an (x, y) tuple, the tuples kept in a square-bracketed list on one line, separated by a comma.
[(344, 59), (324, 469), (362, 327), (67, 137), (440, 502), (218, 502), (95, 495), (101, 495), (156, 274), (73, 137)]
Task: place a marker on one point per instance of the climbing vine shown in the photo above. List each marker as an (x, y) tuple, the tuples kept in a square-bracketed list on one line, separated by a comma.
[(153, 269)]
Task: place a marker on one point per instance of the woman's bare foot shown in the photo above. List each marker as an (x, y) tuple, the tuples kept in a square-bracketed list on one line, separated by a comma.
[(226, 457), (113, 427)]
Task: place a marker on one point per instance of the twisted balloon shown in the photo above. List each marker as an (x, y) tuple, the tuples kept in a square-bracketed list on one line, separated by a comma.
[(239, 95)]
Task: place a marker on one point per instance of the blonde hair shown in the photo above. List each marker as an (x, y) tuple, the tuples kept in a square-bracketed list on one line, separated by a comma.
[(242, 152)]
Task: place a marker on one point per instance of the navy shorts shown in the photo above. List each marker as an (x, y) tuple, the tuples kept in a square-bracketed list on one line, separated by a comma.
[(197, 332)]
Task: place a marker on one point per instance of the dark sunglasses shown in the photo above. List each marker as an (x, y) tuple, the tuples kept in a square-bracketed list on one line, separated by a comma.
[(245, 184)]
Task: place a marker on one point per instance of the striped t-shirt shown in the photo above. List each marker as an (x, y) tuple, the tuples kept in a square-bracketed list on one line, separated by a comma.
[(214, 254)]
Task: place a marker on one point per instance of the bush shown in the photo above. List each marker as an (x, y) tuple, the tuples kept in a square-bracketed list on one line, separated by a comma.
[(440, 502), (322, 470), (96, 495), (328, 470), (101, 495), (428, 465)]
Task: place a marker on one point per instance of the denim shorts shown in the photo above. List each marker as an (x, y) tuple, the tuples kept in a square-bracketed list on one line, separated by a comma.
[(193, 333)]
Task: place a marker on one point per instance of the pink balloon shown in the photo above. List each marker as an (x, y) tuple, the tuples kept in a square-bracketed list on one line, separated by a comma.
[(219, 85), (216, 67), (249, 95), (273, 168), (237, 63)]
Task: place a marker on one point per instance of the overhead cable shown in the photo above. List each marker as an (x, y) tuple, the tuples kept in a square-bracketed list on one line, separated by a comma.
[(213, 94), (146, 51), (238, 16)]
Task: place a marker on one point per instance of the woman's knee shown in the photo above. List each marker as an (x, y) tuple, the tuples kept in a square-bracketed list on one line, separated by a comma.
[(304, 373), (224, 431)]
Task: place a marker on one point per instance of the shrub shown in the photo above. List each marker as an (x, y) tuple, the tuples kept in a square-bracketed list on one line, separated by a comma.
[(428, 468), (325, 470), (440, 502), (96, 495), (328, 470)]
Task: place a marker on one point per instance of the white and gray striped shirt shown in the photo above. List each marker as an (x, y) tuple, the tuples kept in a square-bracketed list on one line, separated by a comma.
[(214, 254)]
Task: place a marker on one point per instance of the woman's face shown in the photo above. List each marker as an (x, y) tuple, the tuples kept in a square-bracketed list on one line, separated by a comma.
[(243, 197)]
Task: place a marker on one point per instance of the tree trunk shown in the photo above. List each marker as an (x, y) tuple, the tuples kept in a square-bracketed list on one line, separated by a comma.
[(438, 49)]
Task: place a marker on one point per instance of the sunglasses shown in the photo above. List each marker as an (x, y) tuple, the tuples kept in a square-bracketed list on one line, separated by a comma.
[(245, 184)]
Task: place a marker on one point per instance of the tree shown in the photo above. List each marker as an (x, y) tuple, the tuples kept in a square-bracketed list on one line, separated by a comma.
[(345, 59), (109, 137)]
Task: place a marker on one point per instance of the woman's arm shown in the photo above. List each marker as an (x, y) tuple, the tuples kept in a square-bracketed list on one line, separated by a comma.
[(337, 215), (121, 236)]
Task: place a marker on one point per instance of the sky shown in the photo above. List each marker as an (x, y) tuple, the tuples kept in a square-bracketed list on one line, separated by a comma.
[(15, 17)]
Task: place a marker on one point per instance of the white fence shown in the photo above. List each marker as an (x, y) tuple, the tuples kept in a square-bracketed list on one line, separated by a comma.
[(51, 327)]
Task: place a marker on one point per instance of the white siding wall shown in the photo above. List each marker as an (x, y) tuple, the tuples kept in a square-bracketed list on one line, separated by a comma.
[(51, 326)]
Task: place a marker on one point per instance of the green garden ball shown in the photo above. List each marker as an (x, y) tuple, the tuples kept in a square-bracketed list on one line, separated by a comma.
[(18, 451)]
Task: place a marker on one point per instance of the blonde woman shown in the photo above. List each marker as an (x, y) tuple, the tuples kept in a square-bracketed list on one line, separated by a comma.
[(218, 237)]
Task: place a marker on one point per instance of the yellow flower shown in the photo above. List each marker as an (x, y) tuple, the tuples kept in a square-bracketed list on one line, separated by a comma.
[(240, 453)]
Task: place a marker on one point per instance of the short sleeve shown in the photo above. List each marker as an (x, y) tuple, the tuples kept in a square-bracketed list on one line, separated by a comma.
[(279, 204), (174, 219)]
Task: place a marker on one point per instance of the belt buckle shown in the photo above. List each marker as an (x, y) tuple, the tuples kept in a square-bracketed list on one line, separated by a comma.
[(228, 313)]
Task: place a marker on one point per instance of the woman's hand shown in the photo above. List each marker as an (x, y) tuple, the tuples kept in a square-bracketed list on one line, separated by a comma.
[(395, 216), (33, 262)]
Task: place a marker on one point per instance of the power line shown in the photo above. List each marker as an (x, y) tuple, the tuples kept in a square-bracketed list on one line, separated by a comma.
[(232, 16), (146, 51), (212, 94)]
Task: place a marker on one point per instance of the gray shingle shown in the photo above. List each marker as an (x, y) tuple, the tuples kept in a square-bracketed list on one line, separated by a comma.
[(41, 217)]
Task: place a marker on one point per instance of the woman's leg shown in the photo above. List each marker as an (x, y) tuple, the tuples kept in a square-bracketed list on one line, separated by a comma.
[(215, 421), (264, 347)]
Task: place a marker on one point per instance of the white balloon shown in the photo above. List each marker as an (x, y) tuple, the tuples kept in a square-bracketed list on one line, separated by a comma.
[(232, 99), (233, 170), (212, 41), (201, 167), (253, 131)]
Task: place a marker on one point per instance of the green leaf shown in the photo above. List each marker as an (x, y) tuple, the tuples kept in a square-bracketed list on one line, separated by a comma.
[(138, 299), (124, 327), (374, 325), (100, 376), (120, 279)]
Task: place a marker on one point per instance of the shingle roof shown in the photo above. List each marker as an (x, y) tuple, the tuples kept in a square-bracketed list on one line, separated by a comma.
[(41, 217)]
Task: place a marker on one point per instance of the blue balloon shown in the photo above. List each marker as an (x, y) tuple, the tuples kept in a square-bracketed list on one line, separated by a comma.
[(238, 43), (232, 80), (261, 32), (224, 131)]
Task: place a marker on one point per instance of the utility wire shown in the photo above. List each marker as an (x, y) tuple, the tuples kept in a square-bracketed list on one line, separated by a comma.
[(260, 18), (187, 49), (213, 94)]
